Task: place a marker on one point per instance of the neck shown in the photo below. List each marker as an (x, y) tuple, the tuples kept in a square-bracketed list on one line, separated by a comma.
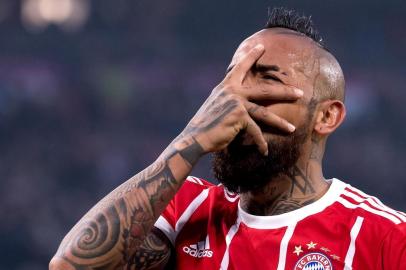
[(303, 185)]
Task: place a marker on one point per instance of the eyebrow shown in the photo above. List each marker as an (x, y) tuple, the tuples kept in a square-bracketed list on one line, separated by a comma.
[(259, 68), (265, 68)]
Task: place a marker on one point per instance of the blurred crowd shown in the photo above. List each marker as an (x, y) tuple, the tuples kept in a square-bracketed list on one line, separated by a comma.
[(83, 109)]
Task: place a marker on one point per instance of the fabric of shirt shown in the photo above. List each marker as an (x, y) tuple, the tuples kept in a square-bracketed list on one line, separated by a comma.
[(345, 229)]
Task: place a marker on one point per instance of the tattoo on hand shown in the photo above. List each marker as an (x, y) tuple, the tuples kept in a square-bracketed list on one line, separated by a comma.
[(216, 114)]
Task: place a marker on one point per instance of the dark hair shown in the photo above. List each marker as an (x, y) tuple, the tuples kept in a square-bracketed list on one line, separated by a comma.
[(290, 19), (303, 25)]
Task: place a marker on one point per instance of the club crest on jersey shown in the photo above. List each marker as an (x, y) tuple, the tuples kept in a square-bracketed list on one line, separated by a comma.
[(313, 261)]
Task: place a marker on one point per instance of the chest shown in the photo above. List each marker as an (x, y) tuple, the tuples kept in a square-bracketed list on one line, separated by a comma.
[(221, 242)]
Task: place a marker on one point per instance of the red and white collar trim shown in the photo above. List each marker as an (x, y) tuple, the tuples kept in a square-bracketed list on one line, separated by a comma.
[(283, 220)]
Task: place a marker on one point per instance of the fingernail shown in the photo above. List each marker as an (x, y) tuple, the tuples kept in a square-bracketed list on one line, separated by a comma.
[(259, 47), (291, 127), (266, 152), (298, 92)]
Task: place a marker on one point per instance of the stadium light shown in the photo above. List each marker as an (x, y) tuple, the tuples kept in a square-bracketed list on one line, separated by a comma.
[(68, 14)]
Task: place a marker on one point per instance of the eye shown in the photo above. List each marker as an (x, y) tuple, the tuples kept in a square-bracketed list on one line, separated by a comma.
[(271, 77)]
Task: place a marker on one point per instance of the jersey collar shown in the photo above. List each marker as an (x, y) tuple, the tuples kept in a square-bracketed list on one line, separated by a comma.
[(277, 221)]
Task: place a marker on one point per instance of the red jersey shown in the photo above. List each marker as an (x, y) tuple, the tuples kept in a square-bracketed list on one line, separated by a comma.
[(345, 229)]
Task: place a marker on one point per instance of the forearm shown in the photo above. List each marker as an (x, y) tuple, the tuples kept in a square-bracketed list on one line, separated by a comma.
[(112, 231)]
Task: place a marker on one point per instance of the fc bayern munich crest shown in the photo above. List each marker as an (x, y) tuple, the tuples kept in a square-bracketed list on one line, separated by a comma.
[(313, 261)]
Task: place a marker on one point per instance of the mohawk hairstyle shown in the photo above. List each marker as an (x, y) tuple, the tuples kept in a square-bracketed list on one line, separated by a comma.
[(290, 19)]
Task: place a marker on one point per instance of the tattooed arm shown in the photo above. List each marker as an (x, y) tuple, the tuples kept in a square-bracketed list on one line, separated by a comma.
[(116, 232), (113, 233)]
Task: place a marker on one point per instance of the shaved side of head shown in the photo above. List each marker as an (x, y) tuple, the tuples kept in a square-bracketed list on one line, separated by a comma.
[(329, 82)]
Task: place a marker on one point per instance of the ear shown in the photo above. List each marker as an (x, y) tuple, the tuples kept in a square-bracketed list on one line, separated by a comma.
[(330, 115)]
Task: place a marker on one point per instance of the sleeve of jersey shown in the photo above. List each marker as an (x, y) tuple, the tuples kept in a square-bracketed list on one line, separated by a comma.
[(393, 249), (190, 196)]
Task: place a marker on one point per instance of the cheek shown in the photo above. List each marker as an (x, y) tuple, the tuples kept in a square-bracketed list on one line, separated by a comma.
[(292, 112)]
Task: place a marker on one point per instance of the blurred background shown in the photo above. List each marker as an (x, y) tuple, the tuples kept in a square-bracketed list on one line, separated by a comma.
[(91, 92)]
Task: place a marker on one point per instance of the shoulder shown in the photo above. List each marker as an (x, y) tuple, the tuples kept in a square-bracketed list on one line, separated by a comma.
[(195, 187), (198, 182), (194, 200), (392, 248), (371, 209)]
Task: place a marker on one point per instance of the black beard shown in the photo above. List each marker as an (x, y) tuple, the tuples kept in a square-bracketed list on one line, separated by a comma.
[(242, 168)]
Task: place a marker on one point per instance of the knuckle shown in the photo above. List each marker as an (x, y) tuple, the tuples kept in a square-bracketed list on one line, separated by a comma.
[(240, 111), (264, 112), (222, 91), (235, 98), (254, 132), (264, 91), (291, 92), (228, 89), (226, 84), (245, 87)]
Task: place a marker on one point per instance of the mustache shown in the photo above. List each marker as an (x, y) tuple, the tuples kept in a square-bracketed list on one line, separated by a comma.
[(241, 168), (244, 140)]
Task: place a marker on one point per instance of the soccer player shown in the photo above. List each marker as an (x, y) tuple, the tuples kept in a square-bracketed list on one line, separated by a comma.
[(267, 124)]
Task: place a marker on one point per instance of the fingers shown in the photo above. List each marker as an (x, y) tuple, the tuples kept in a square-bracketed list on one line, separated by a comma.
[(263, 91), (255, 132), (261, 114), (242, 67), (274, 92)]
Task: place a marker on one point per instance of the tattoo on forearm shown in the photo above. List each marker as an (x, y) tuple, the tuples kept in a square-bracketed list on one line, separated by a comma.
[(98, 236), (113, 234)]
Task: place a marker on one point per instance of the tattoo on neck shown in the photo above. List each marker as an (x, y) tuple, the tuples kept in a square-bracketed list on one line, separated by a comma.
[(286, 201), (288, 205), (300, 181)]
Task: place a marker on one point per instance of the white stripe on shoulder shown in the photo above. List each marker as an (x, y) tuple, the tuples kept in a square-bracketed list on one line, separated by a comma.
[(194, 180), (367, 208), (192, 207), (191, 179), (351, 249), (375, 202), (198, 180), (401, 213), (166, 228)]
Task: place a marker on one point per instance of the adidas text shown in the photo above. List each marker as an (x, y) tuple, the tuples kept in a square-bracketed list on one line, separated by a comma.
[(198, 253)]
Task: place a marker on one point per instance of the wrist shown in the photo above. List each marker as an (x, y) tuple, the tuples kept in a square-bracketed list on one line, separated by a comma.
[(189, 149)]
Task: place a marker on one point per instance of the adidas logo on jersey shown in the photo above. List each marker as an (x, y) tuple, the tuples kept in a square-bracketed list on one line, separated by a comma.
[(199, 250)]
